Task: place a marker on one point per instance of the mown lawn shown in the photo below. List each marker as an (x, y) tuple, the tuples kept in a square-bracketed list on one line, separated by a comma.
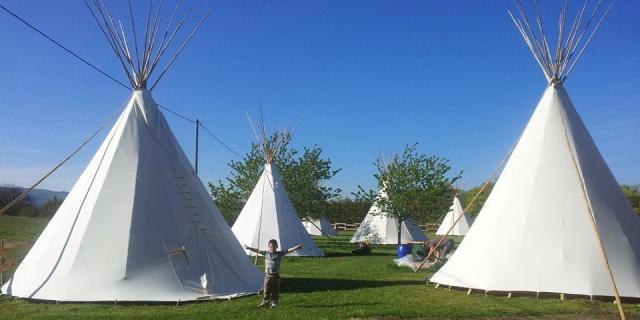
[(338, 286)]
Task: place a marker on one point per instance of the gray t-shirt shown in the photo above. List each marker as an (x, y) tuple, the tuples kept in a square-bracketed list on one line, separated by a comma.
[(272, 261)]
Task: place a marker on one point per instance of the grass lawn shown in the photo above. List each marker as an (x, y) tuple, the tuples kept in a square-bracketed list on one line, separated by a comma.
[(337, 286)]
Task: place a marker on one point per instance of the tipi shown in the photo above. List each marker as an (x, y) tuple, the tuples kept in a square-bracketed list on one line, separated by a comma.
[(556, 220), (462, 227), (378, 228), (319, 227), (138, 225), (269, 213)]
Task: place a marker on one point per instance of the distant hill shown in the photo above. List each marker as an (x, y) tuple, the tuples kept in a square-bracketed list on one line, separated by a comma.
[(40, 196)]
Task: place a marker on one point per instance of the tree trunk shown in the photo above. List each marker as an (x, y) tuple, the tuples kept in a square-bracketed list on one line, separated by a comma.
[(400, 232)]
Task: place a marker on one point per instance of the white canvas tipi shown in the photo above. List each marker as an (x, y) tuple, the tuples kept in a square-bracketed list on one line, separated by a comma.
[(461, 227), (378, 228), (556, 220), (319, 227), (138, 225), (269, 213)]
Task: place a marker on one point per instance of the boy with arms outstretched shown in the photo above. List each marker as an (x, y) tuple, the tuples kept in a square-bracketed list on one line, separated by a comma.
[(272, 259)]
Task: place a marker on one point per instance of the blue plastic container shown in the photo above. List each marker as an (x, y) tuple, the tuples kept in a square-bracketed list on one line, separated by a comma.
[(403, 250)]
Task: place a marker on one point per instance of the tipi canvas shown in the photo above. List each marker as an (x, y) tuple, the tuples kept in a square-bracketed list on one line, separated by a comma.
[(378, 228), (462, 227), (269, 214), (556, 220), (319, 227), (138, 225)]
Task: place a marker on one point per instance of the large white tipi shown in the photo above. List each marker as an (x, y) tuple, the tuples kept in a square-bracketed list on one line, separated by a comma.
[(461, 227), (556, 220), (378, 228), (269, 213), (319, 227), (138, 225)]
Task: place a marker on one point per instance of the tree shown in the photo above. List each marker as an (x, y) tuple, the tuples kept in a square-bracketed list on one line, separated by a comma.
[(346, 210), (303, 177), (24, 207), (413, 185), (632, 192), (468, 195), (49, 208)]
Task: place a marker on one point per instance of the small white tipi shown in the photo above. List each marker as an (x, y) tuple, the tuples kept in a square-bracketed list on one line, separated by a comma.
[(462, 227), (269, 213), (319, 227), (378, 228), (556, 220), (138, 225)]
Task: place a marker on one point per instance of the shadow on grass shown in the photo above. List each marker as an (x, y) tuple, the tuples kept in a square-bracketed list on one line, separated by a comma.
[(299, 285), (350, 254), (333, 305)]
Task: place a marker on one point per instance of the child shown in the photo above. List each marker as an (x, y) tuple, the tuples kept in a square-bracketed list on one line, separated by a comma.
[(272, 259)]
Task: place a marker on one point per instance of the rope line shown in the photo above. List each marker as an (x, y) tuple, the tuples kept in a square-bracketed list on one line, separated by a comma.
[(63, 47), (486, 184), (111, 77), (201, 125), (219, 141), (26, 192), (175, 113)]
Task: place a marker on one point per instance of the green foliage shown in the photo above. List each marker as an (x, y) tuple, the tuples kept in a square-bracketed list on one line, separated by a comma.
[(416, 186), (346, 210), (27, 206), (302, 175), (468, 195), (632, 192), (49, 208)]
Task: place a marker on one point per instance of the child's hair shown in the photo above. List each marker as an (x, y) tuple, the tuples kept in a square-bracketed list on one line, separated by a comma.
[(274, 242)]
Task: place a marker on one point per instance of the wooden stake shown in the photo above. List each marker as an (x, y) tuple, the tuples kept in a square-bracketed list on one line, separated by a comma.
[(562, 297), (469, 291), (509, 295), (437, 285)]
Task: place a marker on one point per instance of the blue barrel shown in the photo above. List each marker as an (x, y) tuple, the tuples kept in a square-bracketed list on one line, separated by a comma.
[(403, 250)]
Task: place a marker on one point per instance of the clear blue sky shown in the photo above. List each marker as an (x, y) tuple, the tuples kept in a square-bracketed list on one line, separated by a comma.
[(360, 77)]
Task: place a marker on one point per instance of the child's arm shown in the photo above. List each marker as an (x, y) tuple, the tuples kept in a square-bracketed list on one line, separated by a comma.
[(252, 249), (294, 248)]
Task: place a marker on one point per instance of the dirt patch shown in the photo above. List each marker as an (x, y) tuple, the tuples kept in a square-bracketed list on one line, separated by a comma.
[(8, 262)]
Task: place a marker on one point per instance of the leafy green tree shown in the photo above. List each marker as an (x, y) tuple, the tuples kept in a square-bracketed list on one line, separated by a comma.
[(302, 175), (415, 186), (49, 208), (346, 210), (468, 195), (632, 192), (25, 207)]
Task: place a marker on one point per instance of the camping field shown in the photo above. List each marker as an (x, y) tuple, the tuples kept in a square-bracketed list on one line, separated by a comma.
[(337, 286)]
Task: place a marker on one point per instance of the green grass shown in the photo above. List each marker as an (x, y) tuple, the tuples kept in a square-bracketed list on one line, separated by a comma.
[(21, 228), (338, 286)]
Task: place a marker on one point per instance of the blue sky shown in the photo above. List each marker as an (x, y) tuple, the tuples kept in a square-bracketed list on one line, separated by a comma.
[(360, 78)]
